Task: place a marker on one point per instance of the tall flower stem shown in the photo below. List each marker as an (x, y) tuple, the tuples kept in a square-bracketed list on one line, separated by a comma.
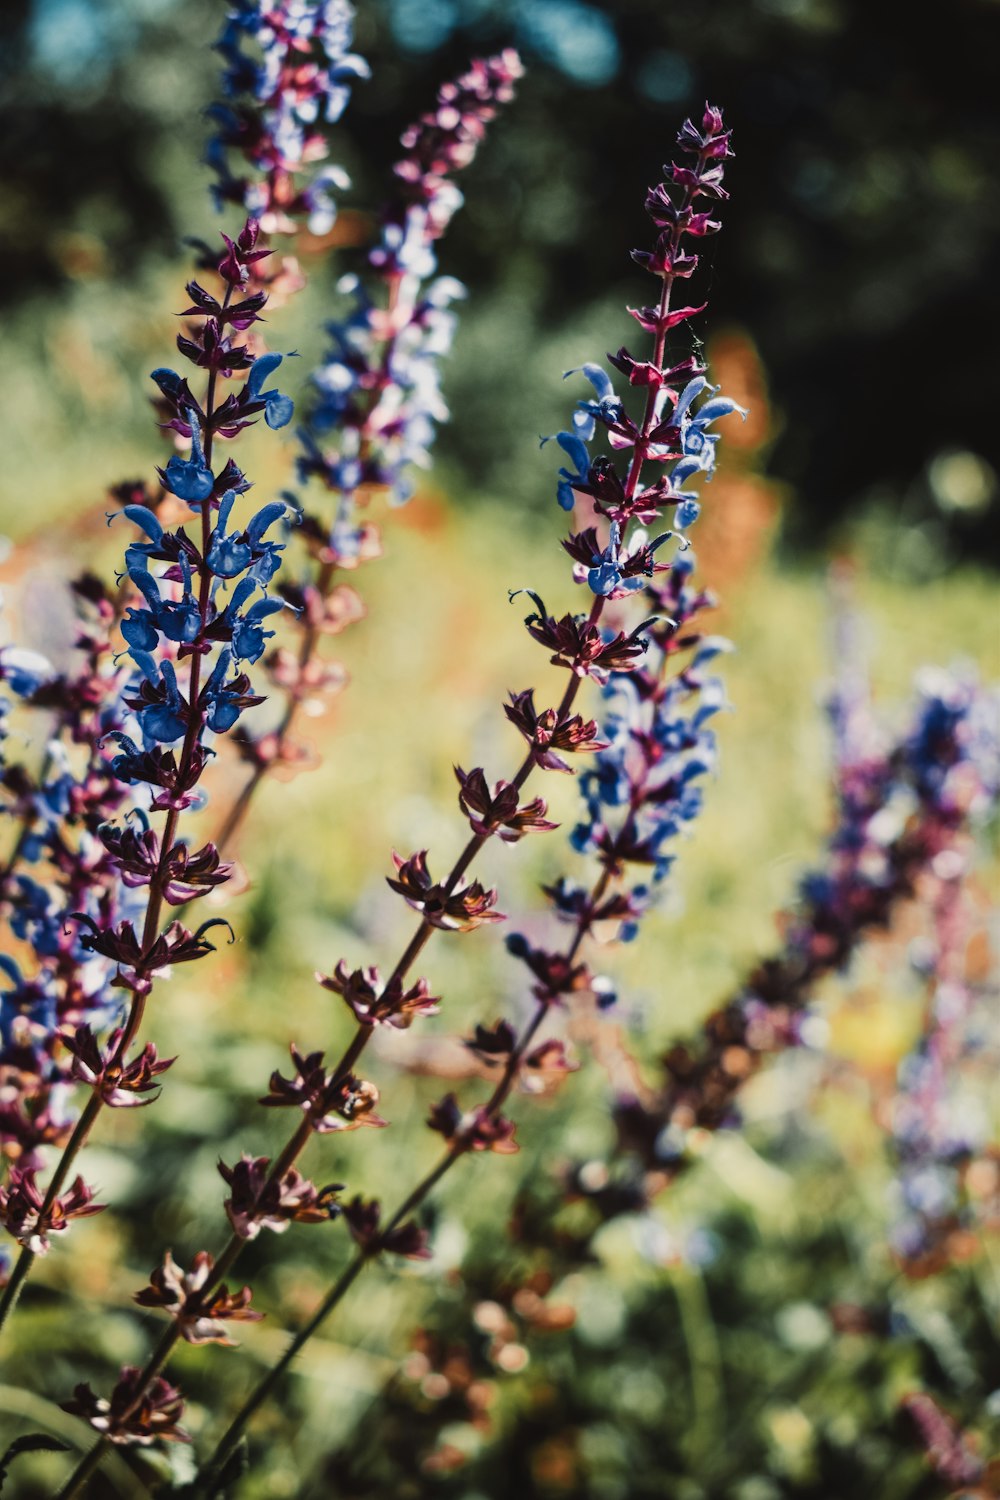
[(154, 906), (300, 1138), (398, 310), (353, 1269), (384, 401), (459, 1146)]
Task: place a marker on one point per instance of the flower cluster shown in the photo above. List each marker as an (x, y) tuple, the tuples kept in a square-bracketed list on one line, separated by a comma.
[(260, 1200), (25, 1213), (137, 1412), (58, 868), (378, 390), (373, 1003), (655, 742), (910, 823), (509, 1298), (644, 788), (330, 1101), (377, 396), (206, 607), (288, 70), (195, 614), (201, 1318), (364, 1220)]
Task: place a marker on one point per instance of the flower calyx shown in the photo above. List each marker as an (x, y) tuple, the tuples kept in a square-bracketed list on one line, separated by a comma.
[(548, 732), (22, 1215), (581, 646), (137, 1412), (373, 1003), (498, 812), (459, 910), (257, 1202), (104, 1070), (329, 1102), (556, 974), (184, 875), (481, 1129), (363, 1217), (199, 1314)]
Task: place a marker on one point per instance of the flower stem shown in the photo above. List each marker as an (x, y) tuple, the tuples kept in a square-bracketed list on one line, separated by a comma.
[(458, 1148), (399, 310), (154, 905), (297, 1142), (352, 1271)]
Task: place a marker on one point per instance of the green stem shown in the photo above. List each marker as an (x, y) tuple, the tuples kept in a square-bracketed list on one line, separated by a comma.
[(230, 1439), (417, 1196)]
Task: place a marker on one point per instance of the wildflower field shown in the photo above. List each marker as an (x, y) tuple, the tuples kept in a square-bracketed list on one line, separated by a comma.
[(497, 982)]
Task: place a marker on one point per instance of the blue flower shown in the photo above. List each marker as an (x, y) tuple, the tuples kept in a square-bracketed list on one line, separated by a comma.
[(607, 409), (278, 409), (697, 443), (272, 122), (224, 701), (247, 637), (165, 719), (177, 620), (24, 670), (574, 445), (190, 479), (231, 554)]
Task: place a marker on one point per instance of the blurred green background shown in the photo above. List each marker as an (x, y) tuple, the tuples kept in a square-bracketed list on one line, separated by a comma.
[(851, 305)]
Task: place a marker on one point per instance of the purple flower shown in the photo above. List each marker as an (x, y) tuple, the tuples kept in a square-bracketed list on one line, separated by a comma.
[(22, 1205), (200, 1316), (297, 74), (138, 1412)]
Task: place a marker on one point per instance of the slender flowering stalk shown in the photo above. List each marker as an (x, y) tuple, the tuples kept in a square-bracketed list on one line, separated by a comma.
[(898, 816), (288, 67), (188, 622), (288, 71), (943, 772), (270, 1194), (670, 430), (66, 872), (951, 1453), (938, 1126), (377, 399), (938, 1122)]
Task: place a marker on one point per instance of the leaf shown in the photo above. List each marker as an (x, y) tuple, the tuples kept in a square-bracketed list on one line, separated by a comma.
[(32, 1442)]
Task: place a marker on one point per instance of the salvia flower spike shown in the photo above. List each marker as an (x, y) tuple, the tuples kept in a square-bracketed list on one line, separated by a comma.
[(376, 397), (671, 428), (288, 72), (199, 618)]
